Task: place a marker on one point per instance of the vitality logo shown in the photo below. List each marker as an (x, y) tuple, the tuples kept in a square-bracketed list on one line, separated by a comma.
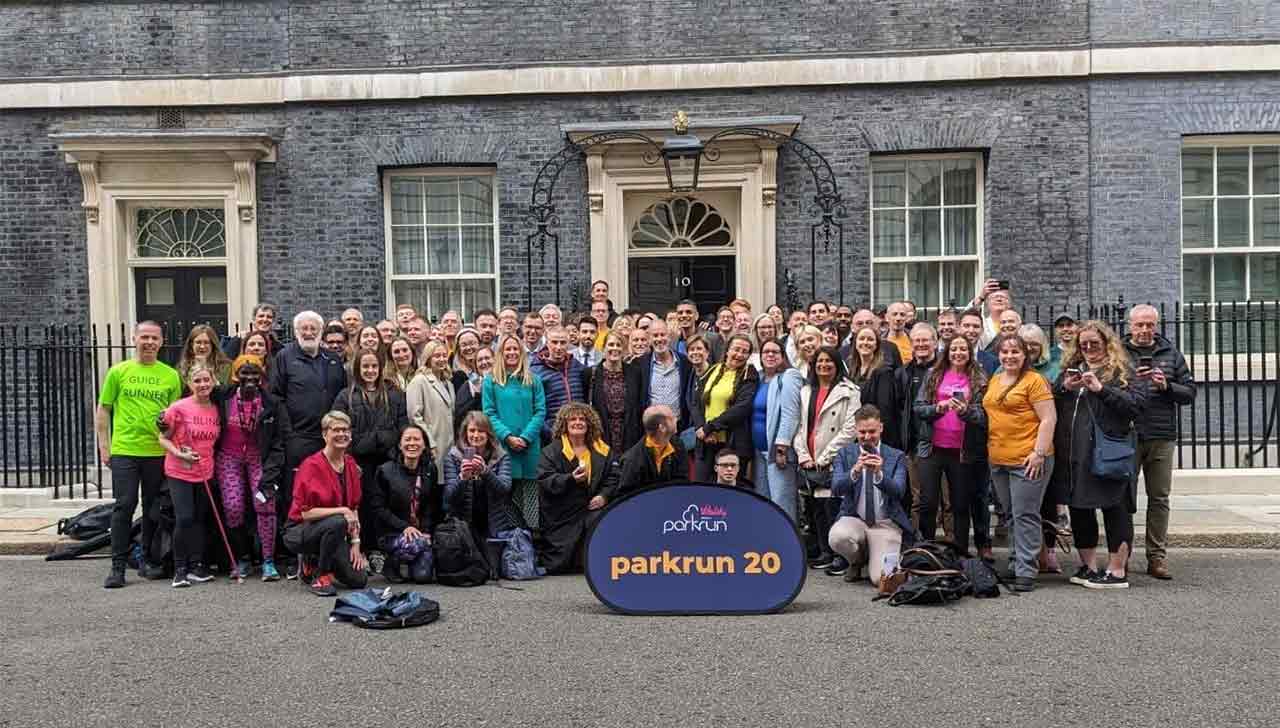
[(699, 519)]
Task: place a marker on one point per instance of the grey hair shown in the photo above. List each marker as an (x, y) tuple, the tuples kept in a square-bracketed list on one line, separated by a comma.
[(1144, 308), (1031, 332), (312, 316)]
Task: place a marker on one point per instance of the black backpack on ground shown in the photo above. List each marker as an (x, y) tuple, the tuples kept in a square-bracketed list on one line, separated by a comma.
[(459, 561), (935, 575), (87, 524), (984, 582)]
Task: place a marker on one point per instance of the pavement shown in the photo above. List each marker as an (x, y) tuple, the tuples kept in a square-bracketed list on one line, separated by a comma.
[(1216, 512), (1202, 650)]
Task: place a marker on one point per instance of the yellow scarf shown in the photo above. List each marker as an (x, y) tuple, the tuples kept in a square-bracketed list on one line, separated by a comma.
[(566, 449), (659, 456)]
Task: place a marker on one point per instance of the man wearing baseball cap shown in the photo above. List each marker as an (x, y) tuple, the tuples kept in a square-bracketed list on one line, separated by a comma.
[(1064, 334)]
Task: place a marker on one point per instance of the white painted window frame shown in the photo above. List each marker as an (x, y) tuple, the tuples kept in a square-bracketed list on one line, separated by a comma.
[(977, 257), (426, 172)]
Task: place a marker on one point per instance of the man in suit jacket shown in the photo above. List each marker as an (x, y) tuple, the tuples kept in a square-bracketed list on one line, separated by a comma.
[(664, 375), (870, 477)]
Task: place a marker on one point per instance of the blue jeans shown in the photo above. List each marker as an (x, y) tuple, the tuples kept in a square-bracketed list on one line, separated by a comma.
[(775, 483), (1022, 496)]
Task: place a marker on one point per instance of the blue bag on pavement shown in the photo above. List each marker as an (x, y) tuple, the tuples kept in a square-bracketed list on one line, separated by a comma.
[(519, 560), (382, 609)]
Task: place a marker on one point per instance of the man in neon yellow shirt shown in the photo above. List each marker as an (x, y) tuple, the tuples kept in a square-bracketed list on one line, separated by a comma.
[(133, 396)]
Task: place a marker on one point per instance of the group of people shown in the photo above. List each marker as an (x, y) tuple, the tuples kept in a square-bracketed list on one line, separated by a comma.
[(343, 449)]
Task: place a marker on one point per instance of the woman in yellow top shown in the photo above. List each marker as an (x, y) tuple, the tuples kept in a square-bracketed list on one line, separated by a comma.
[(722, 408), (1020, 421)]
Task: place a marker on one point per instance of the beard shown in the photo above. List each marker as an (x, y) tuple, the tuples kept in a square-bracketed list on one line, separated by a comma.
[(309, 346)]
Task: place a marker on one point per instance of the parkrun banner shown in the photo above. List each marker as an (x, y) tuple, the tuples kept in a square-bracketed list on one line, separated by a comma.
[(695, 549)]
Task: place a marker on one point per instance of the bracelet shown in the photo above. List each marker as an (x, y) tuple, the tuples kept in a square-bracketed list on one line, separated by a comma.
[(355, 541)]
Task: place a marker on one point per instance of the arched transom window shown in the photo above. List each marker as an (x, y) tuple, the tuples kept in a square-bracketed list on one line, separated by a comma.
[(681, 222)]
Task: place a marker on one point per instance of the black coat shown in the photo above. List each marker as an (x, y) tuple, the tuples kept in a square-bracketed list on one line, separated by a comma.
[(632, 429), (270, 444), (562, 504), (907, 380), (644, 366), (305, 387), (1115, 408), (880, 391), (375, 430), (637, 469), (735, 421), (389, 497), (1159, 421)]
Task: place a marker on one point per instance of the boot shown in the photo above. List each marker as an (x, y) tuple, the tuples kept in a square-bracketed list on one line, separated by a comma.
[(115, 579), (423, 568)]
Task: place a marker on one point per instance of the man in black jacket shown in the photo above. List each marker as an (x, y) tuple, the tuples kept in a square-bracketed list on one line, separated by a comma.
[(1171, 385), (658, 458), (907, 382), (664, 374), (304, 381)]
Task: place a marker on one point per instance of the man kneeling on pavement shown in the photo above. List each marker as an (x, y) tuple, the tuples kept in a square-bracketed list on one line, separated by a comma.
[(870, 478)]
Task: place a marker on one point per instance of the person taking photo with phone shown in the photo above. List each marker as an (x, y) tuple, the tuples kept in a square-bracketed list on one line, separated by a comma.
[(1171, 386)]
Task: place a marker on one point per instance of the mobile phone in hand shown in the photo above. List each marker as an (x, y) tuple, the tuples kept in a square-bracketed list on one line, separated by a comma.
[(1145, 364), (1002, 285), (1073, 372), (958, 395)]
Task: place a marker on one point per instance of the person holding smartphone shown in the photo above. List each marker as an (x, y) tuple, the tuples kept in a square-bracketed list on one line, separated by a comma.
[(477, 479), (1171, 385), (953, 441), (189, 430)]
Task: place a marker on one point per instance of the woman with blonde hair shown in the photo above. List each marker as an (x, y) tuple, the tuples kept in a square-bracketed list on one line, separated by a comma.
[(513, 400), (1098, 395), (577, 476), (1039, 351), (430, 400), (802, 345), (201, 347)]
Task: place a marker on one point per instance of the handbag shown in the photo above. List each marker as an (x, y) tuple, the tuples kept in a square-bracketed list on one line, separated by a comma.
[(1113, 457)]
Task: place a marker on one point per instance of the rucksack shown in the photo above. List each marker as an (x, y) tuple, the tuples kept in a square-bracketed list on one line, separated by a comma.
[(519, 560), (374, 609), (459, 561), (87, 524), (935, 575), (931, 558), (984, 582)]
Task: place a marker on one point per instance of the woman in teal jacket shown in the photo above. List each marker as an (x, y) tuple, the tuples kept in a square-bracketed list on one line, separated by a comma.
[(513, 400)]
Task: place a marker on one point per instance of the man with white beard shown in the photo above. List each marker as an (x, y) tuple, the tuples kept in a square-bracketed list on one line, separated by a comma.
[(304, 380)]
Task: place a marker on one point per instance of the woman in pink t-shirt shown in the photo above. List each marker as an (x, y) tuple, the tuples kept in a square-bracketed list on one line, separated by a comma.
[(188, 433), (953, 440)]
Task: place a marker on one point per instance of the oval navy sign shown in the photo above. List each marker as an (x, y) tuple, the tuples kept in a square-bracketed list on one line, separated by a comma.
[(695, 549)]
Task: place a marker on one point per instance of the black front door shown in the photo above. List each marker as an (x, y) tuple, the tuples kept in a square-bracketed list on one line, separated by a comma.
[(656, 284), (179, 298)]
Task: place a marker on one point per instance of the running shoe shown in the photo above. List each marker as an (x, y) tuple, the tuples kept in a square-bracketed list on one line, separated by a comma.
[(1082, 576), (323, 586), (269, 572), (1107, 581), (199, 573)]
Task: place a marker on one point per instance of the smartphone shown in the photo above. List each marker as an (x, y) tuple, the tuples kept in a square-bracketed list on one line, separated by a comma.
[(1002, 285), (958, 395), (1073, 372), (1145, 362), (468, 453), (868, 449)]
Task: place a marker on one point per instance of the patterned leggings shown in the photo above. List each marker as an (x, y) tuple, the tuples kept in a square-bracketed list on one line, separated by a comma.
[(239, 477)]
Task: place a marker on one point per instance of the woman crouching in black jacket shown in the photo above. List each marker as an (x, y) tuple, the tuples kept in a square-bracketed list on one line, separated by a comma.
[(378, 414), (577, 476), (406, 503), (722, 409), (1096, 387)]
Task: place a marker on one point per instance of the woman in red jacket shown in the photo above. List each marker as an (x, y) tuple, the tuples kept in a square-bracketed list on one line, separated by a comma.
[(324, 521)]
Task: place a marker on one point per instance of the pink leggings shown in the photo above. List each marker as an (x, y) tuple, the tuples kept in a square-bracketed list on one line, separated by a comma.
[(238, 478)]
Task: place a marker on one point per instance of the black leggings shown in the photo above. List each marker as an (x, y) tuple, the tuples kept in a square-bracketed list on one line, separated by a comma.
[(326, 540), (962, 483), (1117, 520), (821, 513), (190, 510)]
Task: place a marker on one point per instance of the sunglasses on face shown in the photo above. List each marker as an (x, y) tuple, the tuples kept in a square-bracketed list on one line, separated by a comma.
[(1090, 345)]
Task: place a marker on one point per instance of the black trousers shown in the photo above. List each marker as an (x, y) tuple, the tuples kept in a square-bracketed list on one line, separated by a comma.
[(963, 479), (190, 510), (128, 473), (821, 514), (326, 541), (296, 450), (1117, 520)]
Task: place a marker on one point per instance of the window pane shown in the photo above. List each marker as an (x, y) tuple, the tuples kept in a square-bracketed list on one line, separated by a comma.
[(925, 180), (1266, 221), (962, 231), (926, 232), (477, 249), (891, 233), (1197, 171), (1233, 170), (444, 296), (1264, 274), (479, 294), (888, 286), (213, 289), (477, 200), (1197, 223), (922, 283), (181, 232), (411, 292), (406, 202), (442, 249), (959, 282), (408, 257), (159, 291), (442, 201), (888, 184), (1229, 277), (1266, 170), (1233, 223), (1195, 278), (961, 180)]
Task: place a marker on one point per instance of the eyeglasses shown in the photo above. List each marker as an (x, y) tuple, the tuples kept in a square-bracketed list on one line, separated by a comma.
[(727, 465), (1090, 345)]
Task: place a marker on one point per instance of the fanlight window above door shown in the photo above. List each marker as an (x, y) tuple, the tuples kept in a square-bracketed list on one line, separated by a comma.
[(681, 222), (181, 232)]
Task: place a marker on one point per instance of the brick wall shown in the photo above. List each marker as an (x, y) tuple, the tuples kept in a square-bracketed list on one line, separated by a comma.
[(1131, 21), (131, 38)]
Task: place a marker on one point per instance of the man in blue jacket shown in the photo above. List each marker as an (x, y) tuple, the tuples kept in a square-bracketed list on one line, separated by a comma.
[(870, 478), (561, 375)]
